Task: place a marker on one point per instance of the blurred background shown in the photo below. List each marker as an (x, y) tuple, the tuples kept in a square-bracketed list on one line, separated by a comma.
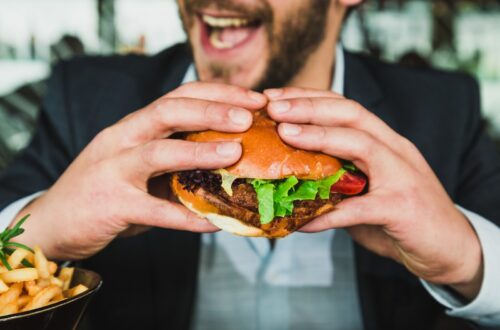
[(447, 34)]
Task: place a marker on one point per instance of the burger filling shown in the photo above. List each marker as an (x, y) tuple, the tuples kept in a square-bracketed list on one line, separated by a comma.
[(260, 201)]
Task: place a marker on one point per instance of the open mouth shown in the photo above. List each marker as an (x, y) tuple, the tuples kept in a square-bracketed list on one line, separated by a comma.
[(226, 33)]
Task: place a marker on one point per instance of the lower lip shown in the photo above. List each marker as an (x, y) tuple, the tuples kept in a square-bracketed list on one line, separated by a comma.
[(210, 50)]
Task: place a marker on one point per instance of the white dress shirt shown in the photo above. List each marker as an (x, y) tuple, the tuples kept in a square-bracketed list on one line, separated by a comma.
[(305, 259)]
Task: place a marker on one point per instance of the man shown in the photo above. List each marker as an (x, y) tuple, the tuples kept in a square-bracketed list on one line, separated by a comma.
[(96, 168)]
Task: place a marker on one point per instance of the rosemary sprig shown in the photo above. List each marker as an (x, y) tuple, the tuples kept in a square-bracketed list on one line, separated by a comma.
[(7, 247)]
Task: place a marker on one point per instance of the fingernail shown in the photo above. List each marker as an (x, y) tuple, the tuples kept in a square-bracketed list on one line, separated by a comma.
[(273, 92), (280, 106), (239, 116), (258, 97), (291, 129), (227, 149)]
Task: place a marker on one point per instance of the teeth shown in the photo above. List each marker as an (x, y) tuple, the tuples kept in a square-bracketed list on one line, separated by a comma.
[(217, 43), (224, 22)]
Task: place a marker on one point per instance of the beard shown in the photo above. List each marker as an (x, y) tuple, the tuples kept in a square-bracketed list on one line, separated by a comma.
[(291, 41)]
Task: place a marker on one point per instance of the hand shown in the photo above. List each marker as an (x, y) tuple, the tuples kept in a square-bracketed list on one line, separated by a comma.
[(104, 192), (406, 214)]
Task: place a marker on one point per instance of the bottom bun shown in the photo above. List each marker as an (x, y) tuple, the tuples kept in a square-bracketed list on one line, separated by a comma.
[(226, 223)]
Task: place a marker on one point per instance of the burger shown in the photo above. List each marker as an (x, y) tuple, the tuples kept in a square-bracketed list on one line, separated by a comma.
[(273, 190)]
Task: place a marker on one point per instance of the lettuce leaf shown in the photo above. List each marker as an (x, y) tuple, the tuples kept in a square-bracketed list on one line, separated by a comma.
[(306, 191), (283, 207), (265, 192), (326, 184), (276, 197)]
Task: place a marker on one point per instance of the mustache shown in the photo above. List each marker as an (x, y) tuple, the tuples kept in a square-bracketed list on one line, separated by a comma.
[(261, 11)]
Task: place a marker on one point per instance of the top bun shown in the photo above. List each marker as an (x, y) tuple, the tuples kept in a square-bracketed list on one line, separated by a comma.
[(266, 156)]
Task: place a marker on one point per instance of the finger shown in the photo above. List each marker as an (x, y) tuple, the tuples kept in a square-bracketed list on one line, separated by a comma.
[(223, 93), (374, 239), (365, 232), (168, 115), (162, 156), (354, 211), (368, 154), (327, 111), (275, 94), (157, 212)]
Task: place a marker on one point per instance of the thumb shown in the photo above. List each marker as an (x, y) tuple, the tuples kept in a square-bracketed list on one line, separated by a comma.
[(156, 212), (350, 212)]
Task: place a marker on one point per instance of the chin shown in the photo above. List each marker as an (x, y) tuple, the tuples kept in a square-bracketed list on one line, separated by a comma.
[(247, 77)]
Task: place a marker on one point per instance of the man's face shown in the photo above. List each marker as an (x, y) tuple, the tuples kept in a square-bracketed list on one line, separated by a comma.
[(253, 43)]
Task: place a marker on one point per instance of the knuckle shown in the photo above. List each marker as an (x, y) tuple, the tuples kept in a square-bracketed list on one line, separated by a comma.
[(185, 87), (166, 110), (198, 152), (161, 109), (165, 105), (319, 113), (212, 113), (130, 116), (237, 89), (104, 135), (324, 138), (311, 104), (408, 144), (357, 112), (288, 89), (102, 145), (103, 169), (192, 84), (367, 144), (322, 133), (149, 153)]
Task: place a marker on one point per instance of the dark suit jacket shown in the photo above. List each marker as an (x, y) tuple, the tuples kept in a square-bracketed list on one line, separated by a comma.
[(150, 279)]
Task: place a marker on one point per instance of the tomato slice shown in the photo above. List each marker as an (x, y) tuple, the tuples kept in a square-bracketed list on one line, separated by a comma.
[(349, 184)]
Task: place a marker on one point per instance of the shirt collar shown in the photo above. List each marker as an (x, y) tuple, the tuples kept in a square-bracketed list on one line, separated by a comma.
[(338, 73)]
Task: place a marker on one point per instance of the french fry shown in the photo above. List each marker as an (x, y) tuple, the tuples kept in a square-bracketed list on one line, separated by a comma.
[(56, 281), (30, 258), (43, 297), (57, 298), (3, 269), (80, 288), (23, 301), (11, 294), (31, 288), (10, 308), (19, 275), (52, 267), (41, 263), (43, 282), (66, 274), (17, 257), (3, 287)]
